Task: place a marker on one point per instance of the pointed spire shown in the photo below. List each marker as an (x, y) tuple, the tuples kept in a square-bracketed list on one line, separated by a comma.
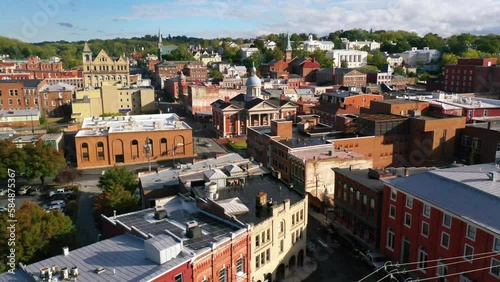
[(288, 45), (159, 35), (86, 47), (253, 71)]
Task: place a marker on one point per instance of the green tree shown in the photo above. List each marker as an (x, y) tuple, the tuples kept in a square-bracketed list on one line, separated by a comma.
[(118, 175), (115, 198), (43, 160), (11, 157), (369, 68), (43, 119), (323, 60), (449, 59), (343, 64), (39, 234), (377, 59), (254, 59), (399, 71), (179, 54), (216, 75), (111, 114)]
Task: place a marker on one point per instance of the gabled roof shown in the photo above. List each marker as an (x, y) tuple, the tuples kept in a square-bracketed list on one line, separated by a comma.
[(280, 103), (215, 174)]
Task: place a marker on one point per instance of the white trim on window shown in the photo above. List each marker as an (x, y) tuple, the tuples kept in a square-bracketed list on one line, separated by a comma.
[(392, 211), (425, 234), (409, 202), (470, 257), (471, 232), (394, 194), (389, 244), (443, 234), (495, 264), (407, 216), (496, 244), (426, 210), (447, 216)]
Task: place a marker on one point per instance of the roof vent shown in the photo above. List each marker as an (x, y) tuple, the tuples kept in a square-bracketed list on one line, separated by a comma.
[(493, 176), (100, 270), (64, 273), (74, 271)]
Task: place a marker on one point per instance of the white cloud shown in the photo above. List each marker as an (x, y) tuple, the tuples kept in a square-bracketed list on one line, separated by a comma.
[(444, 17)]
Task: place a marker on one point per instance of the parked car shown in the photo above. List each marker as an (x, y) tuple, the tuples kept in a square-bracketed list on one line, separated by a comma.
[(34, 191), (23, 190), (350, 243), (60, 191), (374, 259), (49, 207), (58, 203)]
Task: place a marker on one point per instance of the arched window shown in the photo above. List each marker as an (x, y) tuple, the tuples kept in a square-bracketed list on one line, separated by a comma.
[(163, 147), (223, 275), (149, 148), (85, 152), (134, 149), (100, 151)]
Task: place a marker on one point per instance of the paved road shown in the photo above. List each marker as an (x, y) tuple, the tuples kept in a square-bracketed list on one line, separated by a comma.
[(335, 263)]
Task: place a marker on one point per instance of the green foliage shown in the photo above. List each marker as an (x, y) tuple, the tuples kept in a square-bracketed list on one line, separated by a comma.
[(238, 145), (43, 119), (111, 114), (53, 130), (369, 68), (43, 160), (343, 64), (216, 75), (449, 59), (118, 176), (254, 59), (39, 234), (11, 158), (71, 209), (323, 60), (115, 198), (399, 71), (377, 59), (179, 54)]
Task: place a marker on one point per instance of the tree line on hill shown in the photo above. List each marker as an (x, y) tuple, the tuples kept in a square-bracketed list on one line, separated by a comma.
[(453, 47)]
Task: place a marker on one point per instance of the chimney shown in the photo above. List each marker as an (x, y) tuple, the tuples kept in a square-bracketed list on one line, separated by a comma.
[(282, 97), (65, 251), (226, 99), (330, 153), (261, 199), (407, 172)]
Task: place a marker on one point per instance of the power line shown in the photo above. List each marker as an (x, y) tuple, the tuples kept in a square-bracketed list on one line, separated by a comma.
[(389, 263), (430, 267), (453, 274)]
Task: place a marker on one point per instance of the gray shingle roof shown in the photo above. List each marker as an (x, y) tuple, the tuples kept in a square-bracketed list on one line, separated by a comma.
[(465, 191), (125, 254)]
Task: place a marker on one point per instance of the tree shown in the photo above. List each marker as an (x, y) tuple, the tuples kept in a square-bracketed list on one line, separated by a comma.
[(369, 68), (68, 175), (179, 54), (118, 175), (216, 75), (115, 198), (39, 234), (11, 157), (343, 64), (399, 71), (323, 60), (43, 160), (43, 119), (449, 59), (377, 59)]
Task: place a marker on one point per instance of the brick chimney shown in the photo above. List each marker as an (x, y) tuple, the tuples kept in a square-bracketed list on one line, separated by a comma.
[(261, 199), (282, 97), (226, 99)]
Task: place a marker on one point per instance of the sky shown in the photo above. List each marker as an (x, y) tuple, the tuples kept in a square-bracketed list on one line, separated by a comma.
[(74, 20)]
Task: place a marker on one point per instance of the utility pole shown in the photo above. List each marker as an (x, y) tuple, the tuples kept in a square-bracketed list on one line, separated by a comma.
[(147, 148)]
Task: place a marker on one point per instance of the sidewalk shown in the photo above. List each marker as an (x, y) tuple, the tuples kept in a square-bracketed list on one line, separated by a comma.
[(300, 274)]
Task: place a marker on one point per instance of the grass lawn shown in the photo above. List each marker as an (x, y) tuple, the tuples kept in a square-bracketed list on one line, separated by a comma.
[(238, 145)]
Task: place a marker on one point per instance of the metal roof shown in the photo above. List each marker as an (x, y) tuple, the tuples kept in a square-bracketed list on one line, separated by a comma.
[(466, 191), (124, 255)]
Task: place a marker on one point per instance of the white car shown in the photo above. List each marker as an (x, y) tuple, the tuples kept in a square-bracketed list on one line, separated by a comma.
[(49, 207), (57, 203), (23, 190), (375, 260)]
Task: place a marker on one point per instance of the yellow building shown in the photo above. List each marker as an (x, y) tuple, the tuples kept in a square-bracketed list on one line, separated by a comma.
[(113, 98), (103, 68)]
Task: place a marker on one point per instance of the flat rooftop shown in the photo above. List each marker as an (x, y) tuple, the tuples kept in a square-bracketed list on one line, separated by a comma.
[(323, 152), (382, 117), (180, 210), (172, 176), (467, 192), (134, 123), (19, 113), (399, 101), (124, 253), (495, 126), (469, 102), (233, 197)]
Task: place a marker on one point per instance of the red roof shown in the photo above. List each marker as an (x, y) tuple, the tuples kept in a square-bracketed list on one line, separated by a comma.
[(310, 65)]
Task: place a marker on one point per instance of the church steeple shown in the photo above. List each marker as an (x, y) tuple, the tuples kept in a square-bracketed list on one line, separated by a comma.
[(160, 45), (288, 51), (86, 53)]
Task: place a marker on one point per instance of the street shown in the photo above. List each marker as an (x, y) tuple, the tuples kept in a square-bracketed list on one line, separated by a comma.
[(335, 263)]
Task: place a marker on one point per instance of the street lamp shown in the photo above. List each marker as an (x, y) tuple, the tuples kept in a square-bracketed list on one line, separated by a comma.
[(147, 149), (174, 146)]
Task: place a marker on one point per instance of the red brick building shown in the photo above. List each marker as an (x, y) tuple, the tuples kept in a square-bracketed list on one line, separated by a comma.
[(350, 77), (463, 77), (444, 223), (56, 99), (20, 94)]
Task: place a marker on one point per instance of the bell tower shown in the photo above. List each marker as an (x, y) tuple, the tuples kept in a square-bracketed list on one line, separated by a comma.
[(288, 50), (86, 53)]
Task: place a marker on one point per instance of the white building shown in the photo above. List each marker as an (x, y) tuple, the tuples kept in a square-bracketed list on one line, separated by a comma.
[(311, 45), (414, 56), (247, 52), (357, 45), (394, 60), (354, 58), (270, 45)]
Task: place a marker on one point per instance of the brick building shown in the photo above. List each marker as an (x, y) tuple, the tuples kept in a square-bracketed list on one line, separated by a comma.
[(169, 69), (108, 141), (305, 67), (20, 94), (473, 108), (445, 221), (350, 77), (55, 99), (464, 76), (480, 142), (19, 118), (198, 99)]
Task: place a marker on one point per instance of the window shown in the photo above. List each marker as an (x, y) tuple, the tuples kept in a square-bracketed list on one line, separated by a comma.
[(447, 220), (178, 277), (282, 246), (425, 229), (392, 211), (465, 278), (85, 152), (427, 210), (53, 103), (409, 202), (390, 239), (394, 194), (471, 232), (495, 267), (100, 151), (422, 259), (268, 255), (257, 240), (223, 275), (445, 240), (240, 266), (496, 245), (45, 96), (372, 206), (282, 227), (19, 102), (407, 220), (468, 252), (442, 269), (10, 102)]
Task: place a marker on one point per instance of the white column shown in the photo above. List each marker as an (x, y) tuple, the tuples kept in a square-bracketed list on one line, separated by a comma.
[(223, 126)]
